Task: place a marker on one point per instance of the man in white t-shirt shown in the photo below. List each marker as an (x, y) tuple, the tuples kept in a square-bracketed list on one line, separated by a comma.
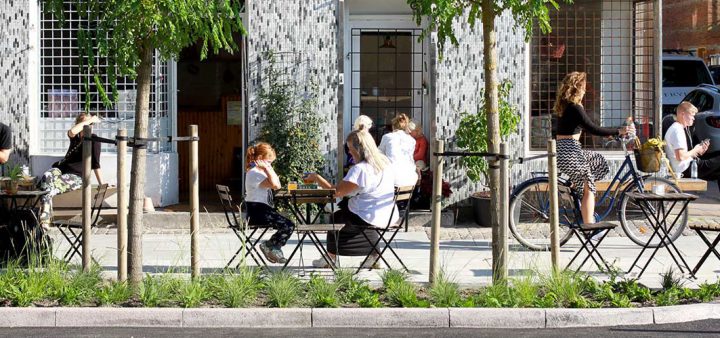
[(676, 148)]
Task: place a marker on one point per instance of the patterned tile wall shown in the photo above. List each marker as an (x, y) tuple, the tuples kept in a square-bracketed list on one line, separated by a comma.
[(457, 93), (304, 32), (14, 43)]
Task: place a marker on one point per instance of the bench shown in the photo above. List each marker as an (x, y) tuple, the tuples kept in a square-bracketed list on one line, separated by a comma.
[(685, 184), (68, 205)]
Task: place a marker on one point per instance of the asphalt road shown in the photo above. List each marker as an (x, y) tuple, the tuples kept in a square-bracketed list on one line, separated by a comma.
[(703, 328)]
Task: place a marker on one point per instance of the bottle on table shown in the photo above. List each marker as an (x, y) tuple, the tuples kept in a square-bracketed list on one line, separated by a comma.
[(693, 169)]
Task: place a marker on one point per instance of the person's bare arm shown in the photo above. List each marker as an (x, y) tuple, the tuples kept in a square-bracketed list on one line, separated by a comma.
[(4, 155), (272, 181), (343, 188), (98, 175), (76, 129), (697, 151)]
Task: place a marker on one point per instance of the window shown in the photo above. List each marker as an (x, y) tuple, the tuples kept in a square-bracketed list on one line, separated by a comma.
[(684, 73), (64, 95), (387, 73), (612, 41)]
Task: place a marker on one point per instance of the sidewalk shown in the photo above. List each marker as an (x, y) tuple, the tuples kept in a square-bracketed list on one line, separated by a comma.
[(465, 248)]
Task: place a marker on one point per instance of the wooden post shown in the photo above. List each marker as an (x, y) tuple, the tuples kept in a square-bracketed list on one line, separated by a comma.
[(554, 213), (437, 165), (86, 197), (499, 235), (122, 204), (194, 202)]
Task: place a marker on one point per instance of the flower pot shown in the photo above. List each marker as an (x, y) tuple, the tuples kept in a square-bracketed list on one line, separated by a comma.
[(481, 209), (13, 186)]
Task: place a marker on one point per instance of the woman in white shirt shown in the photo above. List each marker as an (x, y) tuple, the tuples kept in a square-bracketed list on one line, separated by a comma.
[(371, 182), (399, 147), (260, 179)]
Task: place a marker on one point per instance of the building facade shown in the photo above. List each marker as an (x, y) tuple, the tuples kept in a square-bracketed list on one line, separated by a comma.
[(693, 25), (364, 57)]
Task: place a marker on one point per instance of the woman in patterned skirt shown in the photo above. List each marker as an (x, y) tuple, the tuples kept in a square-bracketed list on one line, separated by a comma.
[(66, 174), (583, 166)]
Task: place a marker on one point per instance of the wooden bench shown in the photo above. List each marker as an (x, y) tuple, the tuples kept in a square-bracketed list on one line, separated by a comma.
[(685, 184), (69, 205)]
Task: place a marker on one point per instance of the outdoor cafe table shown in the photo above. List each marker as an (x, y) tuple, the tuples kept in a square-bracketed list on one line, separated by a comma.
[(658, 215), (308, 218), (14, 206)]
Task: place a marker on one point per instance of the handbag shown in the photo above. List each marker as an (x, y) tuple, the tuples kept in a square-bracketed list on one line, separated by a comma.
[(649, 155)]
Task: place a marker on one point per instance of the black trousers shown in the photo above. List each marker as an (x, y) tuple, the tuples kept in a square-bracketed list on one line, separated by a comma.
[(349, 241)]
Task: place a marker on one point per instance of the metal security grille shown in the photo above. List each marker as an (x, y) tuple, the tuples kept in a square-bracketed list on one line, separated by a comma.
[(387, 76), (64, 94), (613, 42)]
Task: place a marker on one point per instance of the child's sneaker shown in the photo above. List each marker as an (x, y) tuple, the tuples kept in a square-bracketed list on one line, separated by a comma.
[(268, 252), (321, 263), (277, 252)]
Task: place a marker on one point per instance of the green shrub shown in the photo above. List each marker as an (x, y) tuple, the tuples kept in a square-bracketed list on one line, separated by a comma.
[(392, 277), (527, 292), (238, 289), (113, 293), (669, 280), (321, 293), (354, 291), (445, 293), (282, 289), (668, 297), (81, 288), (191, 293), (158, 290)]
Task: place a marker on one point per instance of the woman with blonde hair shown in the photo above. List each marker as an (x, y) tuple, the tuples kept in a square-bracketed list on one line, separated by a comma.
[(371, 183), (260, 179), (583, 166), (399, 147), (66, 174), (366, 123)]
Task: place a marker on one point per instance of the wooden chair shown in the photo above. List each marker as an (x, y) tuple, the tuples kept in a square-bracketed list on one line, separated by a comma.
[(72, 230), (238, 223), (402, 195)]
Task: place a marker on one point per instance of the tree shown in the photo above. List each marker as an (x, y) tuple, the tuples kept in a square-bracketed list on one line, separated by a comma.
[(440, 16), (128, 33)]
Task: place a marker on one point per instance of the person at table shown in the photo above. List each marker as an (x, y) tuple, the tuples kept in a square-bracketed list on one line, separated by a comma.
[(677, 139), (367, 123), (421, 146), (5, 143), (260, 179), (370, 182), (399, 148), (66, 174)]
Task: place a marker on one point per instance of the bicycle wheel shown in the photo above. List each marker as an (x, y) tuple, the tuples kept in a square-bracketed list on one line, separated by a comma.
[(530, 215), (635, 223)]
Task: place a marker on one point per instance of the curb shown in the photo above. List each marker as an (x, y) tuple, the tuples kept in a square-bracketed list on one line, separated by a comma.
[(527, 318)]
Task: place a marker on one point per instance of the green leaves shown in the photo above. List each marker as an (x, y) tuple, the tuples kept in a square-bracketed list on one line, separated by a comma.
[(473, 130), (292, 125)]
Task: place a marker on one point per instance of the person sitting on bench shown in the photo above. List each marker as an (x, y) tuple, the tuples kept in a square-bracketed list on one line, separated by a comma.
[(677, 139), (66, 174)]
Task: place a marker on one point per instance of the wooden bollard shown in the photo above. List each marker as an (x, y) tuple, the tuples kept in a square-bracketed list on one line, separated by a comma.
[(122, 205), (500, 243), (437, 165), (194, 201), (86, 197), (554, 213)]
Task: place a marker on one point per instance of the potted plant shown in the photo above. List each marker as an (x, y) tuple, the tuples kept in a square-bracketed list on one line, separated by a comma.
[(472, 136), (13, 182)]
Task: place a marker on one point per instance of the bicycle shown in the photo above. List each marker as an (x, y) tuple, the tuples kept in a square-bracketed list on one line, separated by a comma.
[(530, 207)]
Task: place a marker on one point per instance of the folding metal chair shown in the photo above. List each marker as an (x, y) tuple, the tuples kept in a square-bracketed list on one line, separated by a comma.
[(403, 195), (699, 228), (73, 230), (585, 234), (238, 222)]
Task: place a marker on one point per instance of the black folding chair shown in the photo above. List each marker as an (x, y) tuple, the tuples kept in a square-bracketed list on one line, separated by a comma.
[(72, 230), (585, 234), (699, 228), (403, 195), (245, 232)]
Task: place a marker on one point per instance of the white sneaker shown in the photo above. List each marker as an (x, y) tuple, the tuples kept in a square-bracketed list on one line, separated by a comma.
[(320, 263), (368, 264), (596, 237)]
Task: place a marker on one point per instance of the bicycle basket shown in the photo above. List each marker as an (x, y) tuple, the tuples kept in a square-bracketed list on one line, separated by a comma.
[(648, 157)]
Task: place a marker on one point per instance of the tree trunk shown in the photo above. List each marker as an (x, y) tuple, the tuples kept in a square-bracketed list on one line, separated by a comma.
[(137, 172), (493, 123)]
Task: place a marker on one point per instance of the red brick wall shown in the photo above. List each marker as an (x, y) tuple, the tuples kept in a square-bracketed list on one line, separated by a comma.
[(692, 24)]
